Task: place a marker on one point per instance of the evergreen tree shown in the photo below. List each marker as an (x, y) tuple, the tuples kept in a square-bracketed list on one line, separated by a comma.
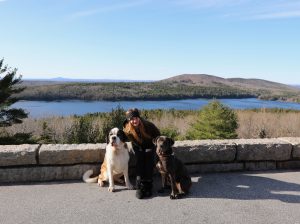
[(114, 119), (8, 87), (215, 121), (47, 133), (9, 116), (84, 131), (81, 131)]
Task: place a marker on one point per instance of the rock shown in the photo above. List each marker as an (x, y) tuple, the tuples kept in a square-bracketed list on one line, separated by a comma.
[(263, 149), (16, 155), (205, 151), (71, 154), (45, 173), (296, 146)]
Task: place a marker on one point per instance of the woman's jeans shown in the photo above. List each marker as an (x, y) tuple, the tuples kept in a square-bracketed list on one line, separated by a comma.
[(144, 167)]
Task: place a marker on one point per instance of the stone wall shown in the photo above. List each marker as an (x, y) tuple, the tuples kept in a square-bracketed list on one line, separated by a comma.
[(27, 163)]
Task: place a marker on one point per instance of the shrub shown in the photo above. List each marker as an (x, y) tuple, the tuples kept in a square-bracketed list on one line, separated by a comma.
[(215, 121), (85, 130), (113, 119), (82, 131), (171, 132), (47, 133), (16, 139)]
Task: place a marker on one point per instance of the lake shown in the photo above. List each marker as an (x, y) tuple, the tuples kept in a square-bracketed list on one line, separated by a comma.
[(70, 107)]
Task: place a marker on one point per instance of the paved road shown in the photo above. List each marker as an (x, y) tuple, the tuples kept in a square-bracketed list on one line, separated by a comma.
[(264, 197)]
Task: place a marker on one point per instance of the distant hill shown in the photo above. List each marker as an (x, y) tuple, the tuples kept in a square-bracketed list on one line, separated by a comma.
[(178, 87), (205, 80), (297, 86), (195, 79), (60, 80), (263, 89)]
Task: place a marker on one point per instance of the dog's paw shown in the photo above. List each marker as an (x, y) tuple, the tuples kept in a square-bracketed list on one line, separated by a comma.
[(130, 187), (100, 183), (176, 196), (111, 189), (182, 194), (120, 181)]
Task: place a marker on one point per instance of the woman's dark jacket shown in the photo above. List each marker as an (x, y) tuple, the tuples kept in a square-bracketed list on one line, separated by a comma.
[(150, 129)]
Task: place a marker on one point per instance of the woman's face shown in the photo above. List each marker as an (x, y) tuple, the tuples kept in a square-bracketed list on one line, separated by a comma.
[(135, 121)]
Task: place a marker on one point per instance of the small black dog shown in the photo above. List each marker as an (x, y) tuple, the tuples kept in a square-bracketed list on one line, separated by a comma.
[(172, 170)]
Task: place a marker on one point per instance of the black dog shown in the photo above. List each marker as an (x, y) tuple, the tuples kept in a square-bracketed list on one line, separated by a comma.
[(172, 170)]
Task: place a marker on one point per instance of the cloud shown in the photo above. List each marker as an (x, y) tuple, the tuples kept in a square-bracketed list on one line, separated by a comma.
[(247, 9), (108, 8), (278, 15), (209, 3), (236, 9), (279, 10)]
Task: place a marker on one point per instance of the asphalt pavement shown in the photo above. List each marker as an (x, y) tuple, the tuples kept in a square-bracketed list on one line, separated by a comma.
[(248, 197)]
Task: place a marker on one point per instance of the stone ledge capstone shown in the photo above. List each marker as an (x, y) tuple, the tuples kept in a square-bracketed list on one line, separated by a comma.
[(52, 154), (205, 151), (263, 150), (18, 155), (296, 145)]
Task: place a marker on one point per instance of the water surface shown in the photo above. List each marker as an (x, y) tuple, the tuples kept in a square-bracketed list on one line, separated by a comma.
[(70, 107)]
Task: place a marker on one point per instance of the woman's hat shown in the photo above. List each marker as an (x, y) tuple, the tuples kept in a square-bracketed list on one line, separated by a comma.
[(132, 113)]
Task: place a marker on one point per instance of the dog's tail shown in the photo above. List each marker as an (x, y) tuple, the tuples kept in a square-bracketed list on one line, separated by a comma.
[(86, 177)]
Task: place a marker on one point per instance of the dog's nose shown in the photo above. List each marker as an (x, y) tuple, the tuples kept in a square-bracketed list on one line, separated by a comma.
[(114, 138)]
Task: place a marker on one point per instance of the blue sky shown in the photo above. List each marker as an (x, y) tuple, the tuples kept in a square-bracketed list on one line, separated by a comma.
[(152, 39)]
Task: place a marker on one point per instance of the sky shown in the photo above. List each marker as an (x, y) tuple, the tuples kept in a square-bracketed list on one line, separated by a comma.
[(152, 39)]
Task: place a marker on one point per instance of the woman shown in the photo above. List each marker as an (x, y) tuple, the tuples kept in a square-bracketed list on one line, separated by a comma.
[(141, 133)]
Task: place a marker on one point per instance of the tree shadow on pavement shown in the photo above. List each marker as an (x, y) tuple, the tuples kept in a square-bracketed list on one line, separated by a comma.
[(244, 186)]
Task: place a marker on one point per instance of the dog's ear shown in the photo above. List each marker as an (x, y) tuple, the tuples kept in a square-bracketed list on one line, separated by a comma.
[(155, 140), (170, 141), (123, 137), (107, 138)]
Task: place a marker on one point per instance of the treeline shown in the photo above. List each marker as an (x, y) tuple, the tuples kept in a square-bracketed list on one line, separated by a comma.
[(93, 128), (285, 96), (130, 91)]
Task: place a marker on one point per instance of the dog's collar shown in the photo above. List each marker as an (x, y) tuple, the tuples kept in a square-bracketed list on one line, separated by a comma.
[(165, 156)]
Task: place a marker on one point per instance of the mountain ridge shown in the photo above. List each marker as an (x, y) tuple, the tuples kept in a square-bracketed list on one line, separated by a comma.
[(200, 79), (183, 86)]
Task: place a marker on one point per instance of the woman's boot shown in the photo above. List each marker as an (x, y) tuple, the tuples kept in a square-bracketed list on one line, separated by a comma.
[(147, 188), (139, 188)]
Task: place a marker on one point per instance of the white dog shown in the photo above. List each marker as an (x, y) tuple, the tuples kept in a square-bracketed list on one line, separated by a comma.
[(115, 163)]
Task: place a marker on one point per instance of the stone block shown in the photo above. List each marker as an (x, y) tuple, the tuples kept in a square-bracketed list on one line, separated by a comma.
[(17, 155), (296, 146), (201, 151), (211, 168), (71, 154), (263, 150), (265, 165), (288, 165), (45, 173)]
